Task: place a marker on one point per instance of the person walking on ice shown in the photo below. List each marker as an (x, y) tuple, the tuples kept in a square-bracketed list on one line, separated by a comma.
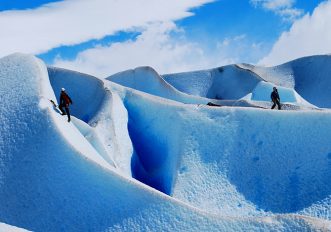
[(275, 98), (65, 100)]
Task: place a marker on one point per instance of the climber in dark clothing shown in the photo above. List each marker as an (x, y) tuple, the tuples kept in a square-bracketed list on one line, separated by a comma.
[(275, 98), (65, 100)]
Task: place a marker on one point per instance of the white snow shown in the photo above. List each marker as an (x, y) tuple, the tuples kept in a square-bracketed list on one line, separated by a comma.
[(309, 76), (149, 81), (144, 152), (262, 92), (229, 82), (8, 228)]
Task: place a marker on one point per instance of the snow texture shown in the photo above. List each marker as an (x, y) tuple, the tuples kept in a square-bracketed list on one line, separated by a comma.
[(8, 228), (147, 80), (309, 76), (145, 152), (229, 82)]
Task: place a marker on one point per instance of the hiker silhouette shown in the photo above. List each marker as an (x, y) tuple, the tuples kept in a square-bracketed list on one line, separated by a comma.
[(65, 101), (275, 98)]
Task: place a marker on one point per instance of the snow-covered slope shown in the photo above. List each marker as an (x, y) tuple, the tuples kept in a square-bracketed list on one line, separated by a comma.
[(147, 80), (216, 168), (87, 91), (8, 228), (239, 85), (261, 95), (231, 156), (309, 76), (228, 82)]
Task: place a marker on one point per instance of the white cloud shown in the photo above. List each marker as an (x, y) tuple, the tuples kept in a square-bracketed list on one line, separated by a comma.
[(71, 22), (277, 4), (229, 41), (309, 35), (154, 47), (164, 47), (283, 8), (290, 14), (239, 37)]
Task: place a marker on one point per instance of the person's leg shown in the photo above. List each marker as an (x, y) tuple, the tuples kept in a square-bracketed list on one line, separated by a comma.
[(68, 113), (273, 106), (61, 109), (279, 106)]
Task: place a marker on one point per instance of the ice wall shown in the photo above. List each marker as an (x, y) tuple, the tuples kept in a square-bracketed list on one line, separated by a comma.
[(223, 83), (309, 76), (86, 91), (147, 80), (52, 178)]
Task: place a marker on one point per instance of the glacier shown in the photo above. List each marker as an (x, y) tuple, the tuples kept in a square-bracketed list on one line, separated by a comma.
[(145, 152)]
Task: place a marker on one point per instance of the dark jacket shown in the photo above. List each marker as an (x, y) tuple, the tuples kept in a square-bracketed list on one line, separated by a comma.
[(65, 100), (274, 95)]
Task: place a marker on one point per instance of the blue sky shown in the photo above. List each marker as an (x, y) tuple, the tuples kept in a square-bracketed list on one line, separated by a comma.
[(102, 37)]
